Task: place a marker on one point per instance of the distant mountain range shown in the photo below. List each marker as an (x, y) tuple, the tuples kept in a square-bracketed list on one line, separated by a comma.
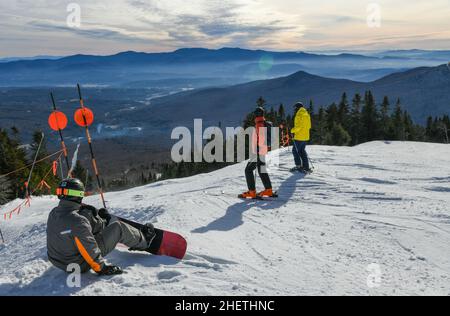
[(197, 67), (439, 55), (138, 112), (10, 59), (423, 91)]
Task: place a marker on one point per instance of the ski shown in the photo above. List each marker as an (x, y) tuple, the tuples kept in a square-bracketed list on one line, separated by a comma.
[(296, 170), (261, 198)]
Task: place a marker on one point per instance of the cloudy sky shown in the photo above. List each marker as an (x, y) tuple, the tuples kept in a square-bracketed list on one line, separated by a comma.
[(39, 27)]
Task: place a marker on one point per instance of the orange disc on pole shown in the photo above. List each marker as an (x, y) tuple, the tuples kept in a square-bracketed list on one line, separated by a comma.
[(84, 117), (57, 121)]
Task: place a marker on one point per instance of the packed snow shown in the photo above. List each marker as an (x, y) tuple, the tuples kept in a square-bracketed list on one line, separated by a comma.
[(371, 220)]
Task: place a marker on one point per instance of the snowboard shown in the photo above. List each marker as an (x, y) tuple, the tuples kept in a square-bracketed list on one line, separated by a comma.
[(165, 243)]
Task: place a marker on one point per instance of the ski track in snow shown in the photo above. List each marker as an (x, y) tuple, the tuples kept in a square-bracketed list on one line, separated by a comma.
[(377, 203)]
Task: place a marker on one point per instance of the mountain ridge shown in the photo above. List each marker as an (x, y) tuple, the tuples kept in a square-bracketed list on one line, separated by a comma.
[(423, 91), (225, 65)]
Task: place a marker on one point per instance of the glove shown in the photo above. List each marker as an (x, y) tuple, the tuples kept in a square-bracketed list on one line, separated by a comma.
[(110, 270), (90, 208), (103, 213)]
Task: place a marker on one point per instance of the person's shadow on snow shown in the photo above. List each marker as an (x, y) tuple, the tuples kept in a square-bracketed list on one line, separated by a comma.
[(53, 282), (233, 217)]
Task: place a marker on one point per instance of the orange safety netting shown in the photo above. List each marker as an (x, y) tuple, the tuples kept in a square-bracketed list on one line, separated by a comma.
[(27, 201), (40, 160), (55, 167), (285, 137)]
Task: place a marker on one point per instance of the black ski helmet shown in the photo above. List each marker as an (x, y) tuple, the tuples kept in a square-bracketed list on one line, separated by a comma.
[(71, 189), (298, 105), (259, 111)]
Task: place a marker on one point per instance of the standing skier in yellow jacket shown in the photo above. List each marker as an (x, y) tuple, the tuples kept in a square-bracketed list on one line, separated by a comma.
[(302, 126)]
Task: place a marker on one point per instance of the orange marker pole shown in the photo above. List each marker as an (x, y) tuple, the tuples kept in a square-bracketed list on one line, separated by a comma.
[(88, 136), (63, 144)]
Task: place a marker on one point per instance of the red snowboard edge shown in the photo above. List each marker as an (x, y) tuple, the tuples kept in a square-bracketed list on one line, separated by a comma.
[(172, 245)]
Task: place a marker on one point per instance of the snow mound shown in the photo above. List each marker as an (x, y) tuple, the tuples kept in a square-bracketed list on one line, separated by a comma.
[(372, 219)]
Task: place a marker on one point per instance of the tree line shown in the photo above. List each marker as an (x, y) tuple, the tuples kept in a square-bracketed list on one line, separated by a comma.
[(349, 122), (361, 120), (15, 160)]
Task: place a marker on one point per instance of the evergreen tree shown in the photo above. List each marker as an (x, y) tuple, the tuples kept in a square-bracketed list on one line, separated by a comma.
[(398, 123), (12, 157), (343, 111), (444, 128), (369, 118), (332, 116), (355, 122), (320, 127), (429, 127), (408, 124), (80, 172), (338, 136), (6, 190), (385, 120), (282, 112), (311, 108)]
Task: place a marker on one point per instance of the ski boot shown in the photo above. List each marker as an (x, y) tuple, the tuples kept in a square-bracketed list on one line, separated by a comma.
[(296, 169), (306, 171), (301, 170), (267, 193), (248, 195), (152, 237)]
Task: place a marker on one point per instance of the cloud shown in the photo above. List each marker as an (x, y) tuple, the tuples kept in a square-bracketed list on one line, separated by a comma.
[(215, 22), (96, 33), (158, 25), (206, 23)]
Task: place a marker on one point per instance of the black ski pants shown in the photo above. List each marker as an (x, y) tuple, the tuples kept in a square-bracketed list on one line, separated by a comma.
[(250, 176)]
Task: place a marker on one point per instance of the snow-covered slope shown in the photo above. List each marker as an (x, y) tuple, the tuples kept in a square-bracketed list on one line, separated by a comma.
[(377, 205)]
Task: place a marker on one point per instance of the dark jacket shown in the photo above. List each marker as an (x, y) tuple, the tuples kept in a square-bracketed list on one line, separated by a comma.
[(70, 237)]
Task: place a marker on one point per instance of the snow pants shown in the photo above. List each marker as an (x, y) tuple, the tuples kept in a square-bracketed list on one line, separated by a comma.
[(249, 175), (118, 232), (300, 154)]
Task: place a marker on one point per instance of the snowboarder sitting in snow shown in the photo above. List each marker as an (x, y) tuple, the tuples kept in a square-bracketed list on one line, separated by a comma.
[(302, 125), (81, 234), (260, 148)]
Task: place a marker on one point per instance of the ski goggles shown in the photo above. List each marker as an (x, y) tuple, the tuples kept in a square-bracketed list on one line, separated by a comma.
[(69, 192)]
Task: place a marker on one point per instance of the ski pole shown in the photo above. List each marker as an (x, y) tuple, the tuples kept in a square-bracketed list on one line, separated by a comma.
[(1, 234), (311, 162), (32, 166), (88, 136), (63, 144), (61, 168), (87, 178), (296, 149), (257, 170)]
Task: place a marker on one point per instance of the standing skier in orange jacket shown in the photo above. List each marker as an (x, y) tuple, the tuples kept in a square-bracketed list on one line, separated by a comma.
[(260, 148)]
